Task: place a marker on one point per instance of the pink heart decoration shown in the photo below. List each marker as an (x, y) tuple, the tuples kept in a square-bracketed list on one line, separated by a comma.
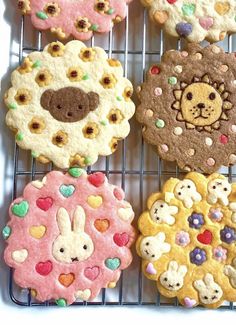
[(206, 22), (189, 303), (92, 273), (44, 203), (151, 269), (44, 268)]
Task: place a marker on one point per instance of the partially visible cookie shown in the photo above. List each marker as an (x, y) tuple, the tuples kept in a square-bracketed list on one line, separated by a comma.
[(69, 104), (194, 20), (188, 108), (77, 18), (69, 235), (187, 242)]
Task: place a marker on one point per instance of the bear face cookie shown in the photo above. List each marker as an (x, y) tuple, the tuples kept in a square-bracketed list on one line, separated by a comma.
[(80, 224), (194, 20), (69, 104), (183, 251), (188, 108), (79, 19)]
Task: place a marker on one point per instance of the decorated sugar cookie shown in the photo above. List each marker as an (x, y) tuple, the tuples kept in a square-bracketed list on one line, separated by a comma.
[(77, 18), (188, 108), (69, 104), (187, 241), (194, 20), (69, 235)]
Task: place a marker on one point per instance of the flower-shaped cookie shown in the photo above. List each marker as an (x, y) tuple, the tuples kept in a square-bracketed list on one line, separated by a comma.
[(192, 258), (195, 20), (69, 104), (188, 108), (77, 18), (69, 235)]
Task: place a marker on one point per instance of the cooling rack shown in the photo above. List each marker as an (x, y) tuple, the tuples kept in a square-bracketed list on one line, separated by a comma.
[(135, 166)]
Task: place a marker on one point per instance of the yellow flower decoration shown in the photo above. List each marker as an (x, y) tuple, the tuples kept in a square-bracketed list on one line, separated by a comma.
[(43, 78), (114, 62), (75, 74), (108, 81), (188, 237), (87, 54), (114, 144), (24, 6), (82, 24), (127, 94), (60, 139), (23, 96), (56, 49), (37, 125), (115, 116), (91, 130), (77, 160), (102, 6), (26, 67), (52, 9)]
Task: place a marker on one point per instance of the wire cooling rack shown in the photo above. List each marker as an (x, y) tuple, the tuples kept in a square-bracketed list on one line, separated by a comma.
[(135, 166)]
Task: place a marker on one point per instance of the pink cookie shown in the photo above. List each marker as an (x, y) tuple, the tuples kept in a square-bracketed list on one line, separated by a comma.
[(69, 235), (77, 18)]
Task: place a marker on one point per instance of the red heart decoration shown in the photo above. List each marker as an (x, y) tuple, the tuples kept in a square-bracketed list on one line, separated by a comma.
[(205, 237), (121, 239), (92, 272), (44, 268), (96, 179), (171, 1), (44, 203)]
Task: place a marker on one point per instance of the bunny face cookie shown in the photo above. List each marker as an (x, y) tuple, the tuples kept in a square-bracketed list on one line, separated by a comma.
[(188, 107), (69, 104), (77, 18), (80, 224), (194, 235), (194, 20)]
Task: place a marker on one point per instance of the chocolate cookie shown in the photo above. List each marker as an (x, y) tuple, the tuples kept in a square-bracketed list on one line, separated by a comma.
[(188, 108)]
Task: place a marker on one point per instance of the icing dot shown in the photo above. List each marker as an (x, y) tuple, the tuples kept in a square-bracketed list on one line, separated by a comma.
[(228, 235), (149, 113), (219, 254), (155, 69), (224, 68), (184, 54), (172, 80), (196, 222), (233, 128), (198, 56), (234, 82), (232, 159), (191, 152), (138, 89), (160, 124), (158, 91), (210, 162), (198, 257), (164, 147), (215, 49), (178, 69), (178, 130), (208, 142), (224, 139)]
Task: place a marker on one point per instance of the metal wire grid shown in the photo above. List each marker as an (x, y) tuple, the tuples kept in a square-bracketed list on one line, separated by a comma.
[(123, 172)]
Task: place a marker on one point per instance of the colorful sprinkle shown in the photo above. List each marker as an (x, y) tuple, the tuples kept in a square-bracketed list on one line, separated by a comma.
[(224, 139), (6, 232), (158, 91), (85, 77), (172, 81), (210, 162), (61, 302), (12, 106), (155, 70), (41, 15), (75, 172), (160, 124), (19, 136), (208, 142), (37, 64), (94, 27), (178, 130)]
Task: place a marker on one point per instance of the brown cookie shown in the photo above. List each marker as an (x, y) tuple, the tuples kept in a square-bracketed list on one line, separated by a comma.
[(188, 108)]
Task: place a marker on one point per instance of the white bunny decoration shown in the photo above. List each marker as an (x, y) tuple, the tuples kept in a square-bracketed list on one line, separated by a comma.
[(209, 291), (152, 247), (230, 271), (173, 278), (186, 192), (161, 212), (218, 191), (73, 244)]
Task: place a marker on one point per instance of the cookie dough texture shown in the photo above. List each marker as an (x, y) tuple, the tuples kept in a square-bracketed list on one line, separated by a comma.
[(69, 104), (187, 241), (68, 236), (79, 19), (194, 20), (188, 108)]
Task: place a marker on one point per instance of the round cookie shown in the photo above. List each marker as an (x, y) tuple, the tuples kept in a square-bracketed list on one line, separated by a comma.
[(187, 233), (69, 235), (194, 20), (188, 108), (77, 18), (69, 104)]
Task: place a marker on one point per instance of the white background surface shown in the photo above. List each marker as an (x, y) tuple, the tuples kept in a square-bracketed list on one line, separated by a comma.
[(9, 312)]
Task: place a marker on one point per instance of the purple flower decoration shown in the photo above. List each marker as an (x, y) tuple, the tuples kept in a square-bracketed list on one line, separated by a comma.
[(196, 220), (198, 256), (228, 235)]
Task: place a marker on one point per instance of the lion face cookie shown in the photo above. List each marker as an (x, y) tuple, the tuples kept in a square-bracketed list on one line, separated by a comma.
[(77, 18), (80, 224), (188, 108), (194, 20), (69, 104), (188, 232)]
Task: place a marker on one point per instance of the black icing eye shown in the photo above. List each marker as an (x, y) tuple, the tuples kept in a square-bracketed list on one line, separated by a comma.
[(178, 284), (214, 187), (147, 244), (189, 186), (165, 279), (85, 247), (216, 291), (205, 297), (153, 255), (157, 218), (162, 206), (212, 96), (179, 193), (59, 107), (225, 189), (62, 250), (80, 107), (189, 96)]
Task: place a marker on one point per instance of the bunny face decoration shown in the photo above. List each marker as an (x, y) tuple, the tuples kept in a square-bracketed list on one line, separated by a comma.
[(209, 291), (173, 278)]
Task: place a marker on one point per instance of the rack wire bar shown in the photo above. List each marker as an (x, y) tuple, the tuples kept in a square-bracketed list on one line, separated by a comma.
[(126, 172)]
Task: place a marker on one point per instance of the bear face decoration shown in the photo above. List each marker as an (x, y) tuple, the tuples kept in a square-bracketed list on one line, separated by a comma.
[(69, 104)]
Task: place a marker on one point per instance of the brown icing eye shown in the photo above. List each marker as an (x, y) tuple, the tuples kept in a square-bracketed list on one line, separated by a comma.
[(42, 77), (87, 54), (58, 139), (59, 107), (100, 6), (212, 96), (56, 48), (51, 9), (81, 23), (189, 96), (22, 98), (35, 125), (106, 81), (74, 74), (89, 130), (114, 117)]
